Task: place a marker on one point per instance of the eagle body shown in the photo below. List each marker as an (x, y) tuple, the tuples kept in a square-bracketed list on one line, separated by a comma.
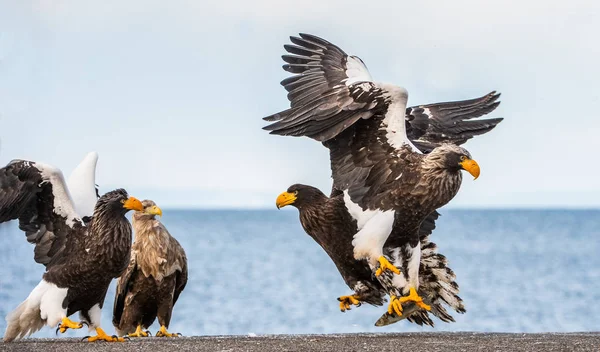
[(328, 221), (155, 277), (394, 164), (80, 258)]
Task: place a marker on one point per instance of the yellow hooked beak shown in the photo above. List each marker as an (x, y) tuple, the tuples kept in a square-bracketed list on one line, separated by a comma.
[(471, 167), (154, 210), (132, 203), (285, 198)]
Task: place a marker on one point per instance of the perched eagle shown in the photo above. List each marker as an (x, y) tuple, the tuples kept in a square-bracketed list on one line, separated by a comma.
[(81, 258), (154, 279), (328, 222), (388, 185)]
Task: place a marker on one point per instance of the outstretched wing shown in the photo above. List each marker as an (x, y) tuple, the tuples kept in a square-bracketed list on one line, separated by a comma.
[(328, 92), (82, 186), (428, 126), (124, 285), (36, 195), (333, 99)]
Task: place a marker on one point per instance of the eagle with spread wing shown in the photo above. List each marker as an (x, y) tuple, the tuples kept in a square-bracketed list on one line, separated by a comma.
[(81, 258), (393, 166)]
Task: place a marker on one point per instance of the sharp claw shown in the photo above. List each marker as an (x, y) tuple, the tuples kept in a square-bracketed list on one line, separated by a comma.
[(179, 334), (85, 338), (58, 328), (148, 332), (124, 338), (85, 323)]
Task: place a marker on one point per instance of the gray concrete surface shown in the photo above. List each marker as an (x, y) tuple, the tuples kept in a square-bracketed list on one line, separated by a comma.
[(437, 342)]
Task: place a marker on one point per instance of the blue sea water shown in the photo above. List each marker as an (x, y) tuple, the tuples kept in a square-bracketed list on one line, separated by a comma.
[(258, 272)]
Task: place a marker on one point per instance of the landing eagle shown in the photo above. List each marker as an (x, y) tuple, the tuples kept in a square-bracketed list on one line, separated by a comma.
[(392, 166)]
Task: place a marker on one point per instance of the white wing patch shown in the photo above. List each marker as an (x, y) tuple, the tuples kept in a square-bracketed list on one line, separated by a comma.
[(356, 71), (63, 204), (395, 117), (82, 185)]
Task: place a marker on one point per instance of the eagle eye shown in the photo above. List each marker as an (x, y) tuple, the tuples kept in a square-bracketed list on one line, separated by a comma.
[(463, 158), (295, 193)]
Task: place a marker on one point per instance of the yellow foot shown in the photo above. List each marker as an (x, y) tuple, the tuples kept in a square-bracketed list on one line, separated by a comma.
[(395, 306), (385, 264), (164, 333), (347, 301), (414, 297), (102, 336), (66, 324), (139, 332)]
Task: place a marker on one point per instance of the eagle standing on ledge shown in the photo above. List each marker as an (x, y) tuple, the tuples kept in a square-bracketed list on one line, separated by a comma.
[(388, 186), (81, 259), (154, 279)]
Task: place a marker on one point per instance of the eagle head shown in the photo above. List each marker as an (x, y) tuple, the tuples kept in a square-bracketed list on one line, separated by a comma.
[(118, 200), (299, 195), (150, 210), (452, 158)]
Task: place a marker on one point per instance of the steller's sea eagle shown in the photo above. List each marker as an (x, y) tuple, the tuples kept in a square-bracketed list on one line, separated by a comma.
[(328, 222), (81, 258), (154, 279), (388, 185)]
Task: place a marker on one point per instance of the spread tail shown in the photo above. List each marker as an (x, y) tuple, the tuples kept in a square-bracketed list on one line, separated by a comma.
[(43, 306), (437, 286), (24, 320)]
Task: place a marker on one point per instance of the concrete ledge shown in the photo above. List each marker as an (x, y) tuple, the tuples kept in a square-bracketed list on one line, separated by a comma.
[(436, 342)]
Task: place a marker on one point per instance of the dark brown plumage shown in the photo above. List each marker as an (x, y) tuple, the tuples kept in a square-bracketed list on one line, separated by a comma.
[(388, 186), (156, 276), (80, 260), (327, 221)]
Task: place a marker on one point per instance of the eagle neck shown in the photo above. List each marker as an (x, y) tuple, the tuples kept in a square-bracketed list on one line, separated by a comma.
[(151, 247), (109, 237), (443, 184)]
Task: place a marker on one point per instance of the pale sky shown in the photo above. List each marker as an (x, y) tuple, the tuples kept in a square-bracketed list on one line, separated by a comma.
[(171, 94)]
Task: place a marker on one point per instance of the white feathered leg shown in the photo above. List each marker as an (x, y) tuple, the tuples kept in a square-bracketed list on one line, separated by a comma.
[(44, 305)]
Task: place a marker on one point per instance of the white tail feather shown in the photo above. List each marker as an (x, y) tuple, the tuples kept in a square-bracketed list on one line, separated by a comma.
[(42, 306)]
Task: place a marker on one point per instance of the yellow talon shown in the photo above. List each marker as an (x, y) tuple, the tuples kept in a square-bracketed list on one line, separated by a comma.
[(138, 332), (347, 301), (414, 297), (164, 333), (102, 336), (395, 306), (385, 264), (66, 324)]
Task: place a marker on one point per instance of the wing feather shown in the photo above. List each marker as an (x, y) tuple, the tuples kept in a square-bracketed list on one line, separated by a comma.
[(450, 122), (37, 195), (329, 92), (124, 285)]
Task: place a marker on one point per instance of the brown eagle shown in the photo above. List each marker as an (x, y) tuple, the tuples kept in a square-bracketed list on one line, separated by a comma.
[(328, 222), (154, 279), (81, 258), (388, 185)]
